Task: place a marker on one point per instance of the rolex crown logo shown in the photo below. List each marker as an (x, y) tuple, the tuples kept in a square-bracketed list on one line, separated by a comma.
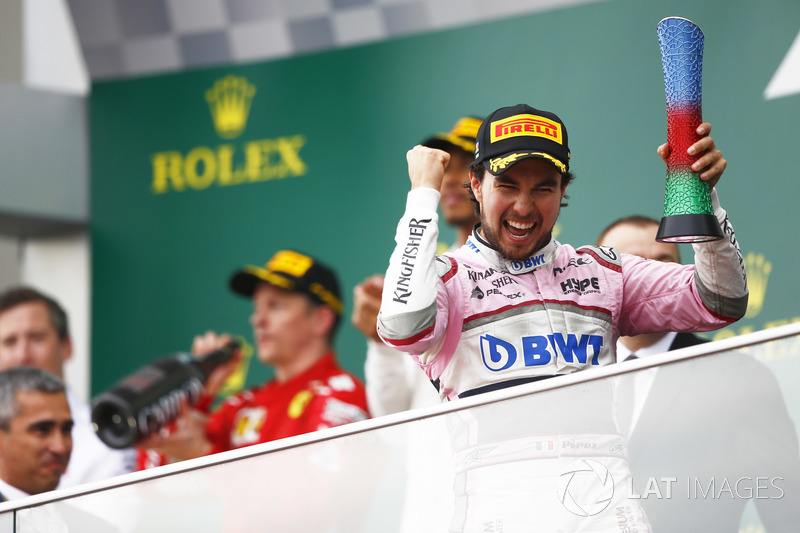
[(758, 271), (229, 100)]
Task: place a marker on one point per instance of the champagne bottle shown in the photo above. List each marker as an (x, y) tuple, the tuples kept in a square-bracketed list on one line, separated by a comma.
[(149, 399)]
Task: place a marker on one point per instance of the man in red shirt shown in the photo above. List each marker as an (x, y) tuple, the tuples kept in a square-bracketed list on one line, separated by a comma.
[(296, 309)]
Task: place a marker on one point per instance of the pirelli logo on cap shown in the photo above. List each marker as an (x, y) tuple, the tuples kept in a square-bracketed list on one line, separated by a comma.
[(290, 262), (525, 126)]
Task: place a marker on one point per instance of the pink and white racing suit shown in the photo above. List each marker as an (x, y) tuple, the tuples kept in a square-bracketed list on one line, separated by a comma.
[(476, 321)]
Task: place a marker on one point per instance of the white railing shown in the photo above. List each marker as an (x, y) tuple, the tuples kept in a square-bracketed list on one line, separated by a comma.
[(714, 443)]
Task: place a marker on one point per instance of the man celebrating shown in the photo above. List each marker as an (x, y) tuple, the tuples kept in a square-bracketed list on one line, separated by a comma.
[(296, 309), (35, 432), (514, 305)]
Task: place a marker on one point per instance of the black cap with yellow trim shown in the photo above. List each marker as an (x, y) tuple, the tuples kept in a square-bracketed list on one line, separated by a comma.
[(519, 132), (292, 271), (462, 136)]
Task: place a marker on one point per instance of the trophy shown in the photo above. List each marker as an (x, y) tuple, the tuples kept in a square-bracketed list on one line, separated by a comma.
[(688, 215)]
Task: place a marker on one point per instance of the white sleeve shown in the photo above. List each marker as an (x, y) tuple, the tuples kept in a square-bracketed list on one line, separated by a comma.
[(719, 269), (388, 390), (408, 304)]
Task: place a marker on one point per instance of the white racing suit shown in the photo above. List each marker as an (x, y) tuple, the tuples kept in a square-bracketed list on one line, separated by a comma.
[(476, 322)]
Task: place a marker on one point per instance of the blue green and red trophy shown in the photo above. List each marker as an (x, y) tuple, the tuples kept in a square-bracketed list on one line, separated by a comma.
[(688, 215)]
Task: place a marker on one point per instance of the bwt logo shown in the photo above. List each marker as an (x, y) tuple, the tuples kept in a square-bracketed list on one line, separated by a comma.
[(538, 350), (528, 263)]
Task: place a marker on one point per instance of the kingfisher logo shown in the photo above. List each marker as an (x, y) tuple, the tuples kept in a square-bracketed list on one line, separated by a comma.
[(477, 276), (539, 350), (416, 229)]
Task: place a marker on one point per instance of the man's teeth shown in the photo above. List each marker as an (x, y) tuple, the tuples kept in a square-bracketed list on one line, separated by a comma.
[(519, 225)]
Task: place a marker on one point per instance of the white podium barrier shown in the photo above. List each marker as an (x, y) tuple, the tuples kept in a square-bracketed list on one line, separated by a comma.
[(711, 445)]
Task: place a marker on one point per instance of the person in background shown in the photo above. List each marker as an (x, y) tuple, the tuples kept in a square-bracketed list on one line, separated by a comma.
[(455, 204), (35, 432), (297, 308), (34, 331), (721, 404)]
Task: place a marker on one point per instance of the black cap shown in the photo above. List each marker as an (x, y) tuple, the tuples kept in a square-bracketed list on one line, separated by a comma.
[(462, 136), (519, 132), (292, 271)]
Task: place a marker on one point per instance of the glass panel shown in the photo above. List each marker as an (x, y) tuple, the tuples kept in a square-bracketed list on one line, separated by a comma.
[(715, 446), (7, 522), (700, 444)]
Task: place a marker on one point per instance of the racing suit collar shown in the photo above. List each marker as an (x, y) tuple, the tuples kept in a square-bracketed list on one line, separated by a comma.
[(544, 256)]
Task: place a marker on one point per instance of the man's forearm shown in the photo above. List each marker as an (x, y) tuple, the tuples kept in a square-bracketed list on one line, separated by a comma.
[(408, 305), (720, 274)]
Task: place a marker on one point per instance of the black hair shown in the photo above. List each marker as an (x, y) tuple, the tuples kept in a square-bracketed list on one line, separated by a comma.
[(21, 295)]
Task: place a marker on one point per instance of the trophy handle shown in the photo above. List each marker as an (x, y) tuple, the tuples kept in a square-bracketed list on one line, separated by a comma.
[(688, 214)]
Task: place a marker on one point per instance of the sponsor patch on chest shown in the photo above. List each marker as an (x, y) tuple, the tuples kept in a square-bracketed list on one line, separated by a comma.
[(538, 350), (581, 285)]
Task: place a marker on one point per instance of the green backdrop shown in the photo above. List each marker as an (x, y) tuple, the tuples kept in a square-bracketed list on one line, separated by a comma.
[(326, 137)]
